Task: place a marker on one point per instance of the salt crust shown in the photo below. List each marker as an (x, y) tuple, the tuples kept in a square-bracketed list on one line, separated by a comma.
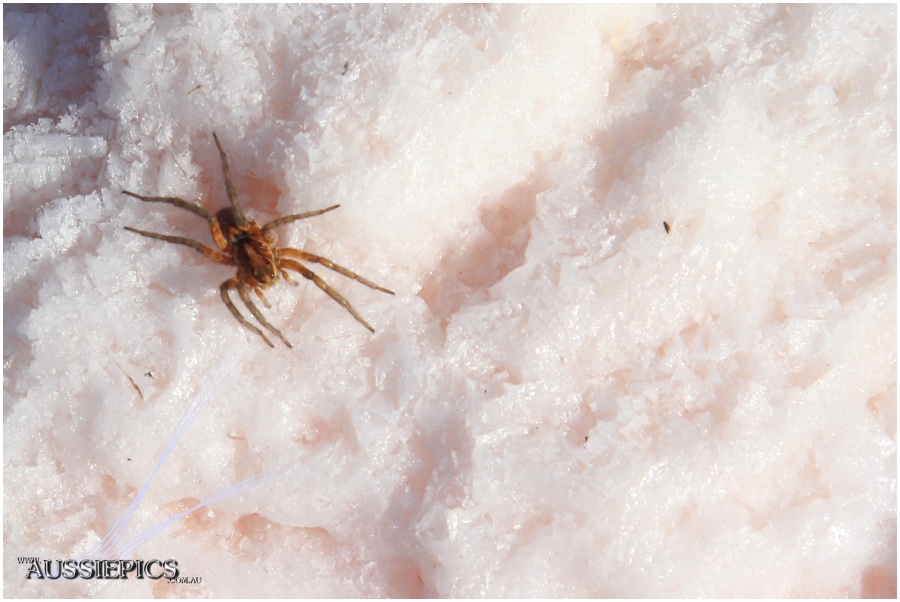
[(563, 399)]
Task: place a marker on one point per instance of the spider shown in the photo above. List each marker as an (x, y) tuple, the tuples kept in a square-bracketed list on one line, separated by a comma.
[(251, 247)]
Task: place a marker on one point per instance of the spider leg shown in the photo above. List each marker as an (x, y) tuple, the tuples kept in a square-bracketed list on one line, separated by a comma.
[(303, 255), (307, 273), (245, 297), (173, 201), (178, 240), (287, 277), (229, 187), (234, 283), (215, 229), (262, 297), (294, 217)]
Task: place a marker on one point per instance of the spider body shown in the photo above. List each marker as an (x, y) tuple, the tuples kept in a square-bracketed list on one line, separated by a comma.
[(251, 248)]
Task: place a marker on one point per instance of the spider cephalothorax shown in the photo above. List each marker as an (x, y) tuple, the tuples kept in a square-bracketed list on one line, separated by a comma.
[(251, 248)]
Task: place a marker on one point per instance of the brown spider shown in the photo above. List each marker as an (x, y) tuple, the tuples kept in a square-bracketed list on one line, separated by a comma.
[(251, 247)]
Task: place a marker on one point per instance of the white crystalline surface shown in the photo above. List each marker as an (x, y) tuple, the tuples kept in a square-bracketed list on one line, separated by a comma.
[(562, 399)]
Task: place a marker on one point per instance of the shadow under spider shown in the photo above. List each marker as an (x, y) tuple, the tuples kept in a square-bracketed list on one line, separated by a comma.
[(243, 243)]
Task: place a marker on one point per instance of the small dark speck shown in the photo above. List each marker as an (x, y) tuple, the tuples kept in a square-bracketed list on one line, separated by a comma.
[(129, 459), (346, 68), (149, 374), (585, 438), (667, 227)]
